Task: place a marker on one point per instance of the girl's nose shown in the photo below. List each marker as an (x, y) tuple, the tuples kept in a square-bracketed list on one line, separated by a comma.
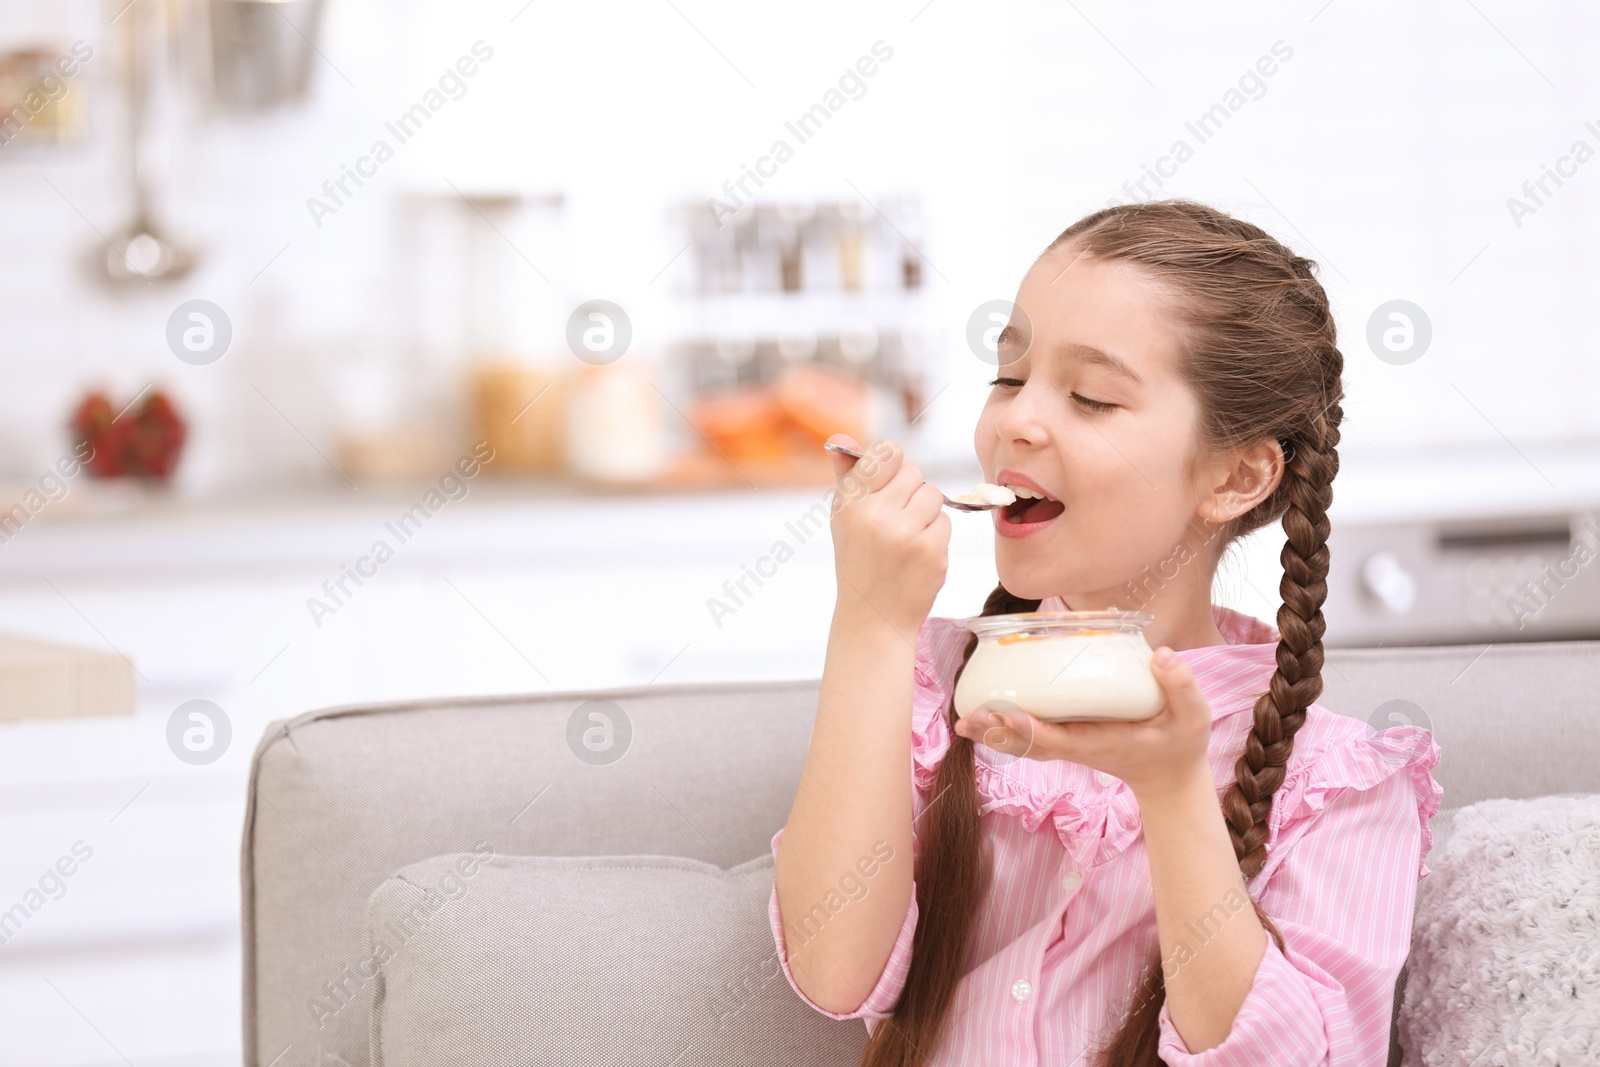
[(1021, 419)]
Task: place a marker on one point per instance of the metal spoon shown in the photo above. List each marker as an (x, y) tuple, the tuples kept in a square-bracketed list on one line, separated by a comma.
[(959, 505)]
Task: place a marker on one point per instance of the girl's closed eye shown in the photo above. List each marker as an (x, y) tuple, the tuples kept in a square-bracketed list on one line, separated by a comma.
[(1083, 401), (1093, 405)]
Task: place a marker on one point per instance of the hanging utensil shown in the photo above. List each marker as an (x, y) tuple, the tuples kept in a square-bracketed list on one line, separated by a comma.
[(141, 252)]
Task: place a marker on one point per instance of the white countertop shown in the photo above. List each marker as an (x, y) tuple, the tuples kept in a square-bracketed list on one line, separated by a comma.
[(97, 532)]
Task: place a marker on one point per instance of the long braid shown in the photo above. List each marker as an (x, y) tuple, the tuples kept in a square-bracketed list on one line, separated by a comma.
[(1296, 684)]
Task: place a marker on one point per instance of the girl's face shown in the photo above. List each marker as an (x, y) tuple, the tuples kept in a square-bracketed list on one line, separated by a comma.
[(1090, 409)]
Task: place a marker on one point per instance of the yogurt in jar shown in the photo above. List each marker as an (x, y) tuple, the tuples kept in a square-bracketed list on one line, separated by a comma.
[(1062, 666)]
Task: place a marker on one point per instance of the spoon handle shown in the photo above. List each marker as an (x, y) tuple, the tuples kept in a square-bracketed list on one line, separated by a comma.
[(955, 504)]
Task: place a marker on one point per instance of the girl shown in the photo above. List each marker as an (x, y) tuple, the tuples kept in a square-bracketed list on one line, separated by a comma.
[(1027, 892)]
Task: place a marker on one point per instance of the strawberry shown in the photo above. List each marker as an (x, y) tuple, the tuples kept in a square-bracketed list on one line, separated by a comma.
[(157, 438), (92, 424)]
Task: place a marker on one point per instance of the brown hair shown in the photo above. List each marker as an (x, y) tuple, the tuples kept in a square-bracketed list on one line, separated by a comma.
[(1262, 360)]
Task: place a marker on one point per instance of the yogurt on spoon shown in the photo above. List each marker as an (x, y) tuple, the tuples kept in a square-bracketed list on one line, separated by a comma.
[(987, 493)]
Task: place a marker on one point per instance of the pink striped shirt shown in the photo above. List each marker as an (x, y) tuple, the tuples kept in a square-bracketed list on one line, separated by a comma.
[(1070, 921)]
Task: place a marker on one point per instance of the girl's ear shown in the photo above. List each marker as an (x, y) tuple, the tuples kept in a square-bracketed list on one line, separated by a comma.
[(1243, 479)]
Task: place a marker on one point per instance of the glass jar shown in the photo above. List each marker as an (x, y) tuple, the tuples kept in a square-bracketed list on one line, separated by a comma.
[(1062, 666)]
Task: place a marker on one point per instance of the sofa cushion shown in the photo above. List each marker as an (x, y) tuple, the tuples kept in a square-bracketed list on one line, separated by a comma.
[(479, 958), (1505, 949)]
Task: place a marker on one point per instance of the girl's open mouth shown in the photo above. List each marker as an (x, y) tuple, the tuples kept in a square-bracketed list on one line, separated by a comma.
[(1023, 511), (1027, 514)]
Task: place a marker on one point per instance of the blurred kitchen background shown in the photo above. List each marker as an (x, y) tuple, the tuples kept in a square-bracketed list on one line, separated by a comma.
[(295, 270)]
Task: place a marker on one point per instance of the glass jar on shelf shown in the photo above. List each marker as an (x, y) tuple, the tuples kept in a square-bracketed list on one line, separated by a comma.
[(615, 428), (737, 351), (852, 234), (792, 220), (858, 348), (761, 250), (906, 237), (820, 250)]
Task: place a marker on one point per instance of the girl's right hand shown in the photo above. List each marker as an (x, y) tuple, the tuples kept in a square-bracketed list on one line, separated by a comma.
[(891, 535)]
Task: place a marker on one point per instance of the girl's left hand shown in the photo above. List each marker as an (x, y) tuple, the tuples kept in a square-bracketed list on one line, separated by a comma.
[(1152, 756)]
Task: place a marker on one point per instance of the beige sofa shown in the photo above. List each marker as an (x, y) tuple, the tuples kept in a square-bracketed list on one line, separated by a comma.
[(482, 881)]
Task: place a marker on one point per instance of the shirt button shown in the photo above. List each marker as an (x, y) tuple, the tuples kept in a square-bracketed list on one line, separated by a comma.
[(1072, 880), (1104, 778), (1021, 989)]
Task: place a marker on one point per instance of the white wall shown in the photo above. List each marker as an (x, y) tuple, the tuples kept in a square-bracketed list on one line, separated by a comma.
[(1386, 147)]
